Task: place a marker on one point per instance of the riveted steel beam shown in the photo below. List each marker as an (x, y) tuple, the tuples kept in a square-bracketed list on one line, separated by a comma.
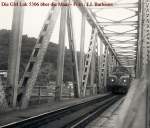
[(87, 63), (124, 42), (72, 46), (60, 58), (33, 67), (139, 44), (122, 34), (101, 66), (93, 22), (14, 54), (82, 40), (106, 67), (146, 35), (134, 23)]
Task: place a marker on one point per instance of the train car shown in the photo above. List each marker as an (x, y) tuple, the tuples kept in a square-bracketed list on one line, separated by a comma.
[(119, 81)]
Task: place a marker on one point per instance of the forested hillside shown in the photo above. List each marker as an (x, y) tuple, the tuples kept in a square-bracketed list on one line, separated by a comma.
[(48, 70)]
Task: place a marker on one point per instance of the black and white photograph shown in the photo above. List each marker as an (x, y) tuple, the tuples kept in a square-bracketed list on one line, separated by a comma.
[(74, 63)]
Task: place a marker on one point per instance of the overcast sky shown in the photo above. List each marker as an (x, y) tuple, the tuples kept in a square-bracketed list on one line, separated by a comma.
[(35, 16)]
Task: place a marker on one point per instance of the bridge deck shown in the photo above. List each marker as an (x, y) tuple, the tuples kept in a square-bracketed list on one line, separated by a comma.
[(108, 118), (16, 115), (130, 114)]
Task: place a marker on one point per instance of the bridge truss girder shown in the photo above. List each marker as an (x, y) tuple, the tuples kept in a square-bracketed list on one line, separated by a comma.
[(102, 64)]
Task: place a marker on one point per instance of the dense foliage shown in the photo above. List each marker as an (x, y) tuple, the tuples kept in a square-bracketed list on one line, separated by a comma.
[(49, 66)]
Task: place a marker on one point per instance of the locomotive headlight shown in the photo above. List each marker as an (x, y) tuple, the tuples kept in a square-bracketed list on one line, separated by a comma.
[(124, 80), (112, 80)]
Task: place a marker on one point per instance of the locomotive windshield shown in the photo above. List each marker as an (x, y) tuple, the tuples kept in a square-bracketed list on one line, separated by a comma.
[(120, 71), (119, 81)]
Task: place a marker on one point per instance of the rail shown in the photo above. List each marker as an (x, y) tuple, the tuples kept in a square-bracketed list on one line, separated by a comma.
[(71, 116)]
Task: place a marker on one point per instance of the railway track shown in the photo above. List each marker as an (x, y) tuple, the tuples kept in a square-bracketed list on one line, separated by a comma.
[(74, 116)]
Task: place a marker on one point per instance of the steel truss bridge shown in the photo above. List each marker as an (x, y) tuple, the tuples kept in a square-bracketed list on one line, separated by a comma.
[(117, 39)]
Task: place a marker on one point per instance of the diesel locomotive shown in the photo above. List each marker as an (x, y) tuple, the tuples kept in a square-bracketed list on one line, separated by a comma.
[(118, 81)]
